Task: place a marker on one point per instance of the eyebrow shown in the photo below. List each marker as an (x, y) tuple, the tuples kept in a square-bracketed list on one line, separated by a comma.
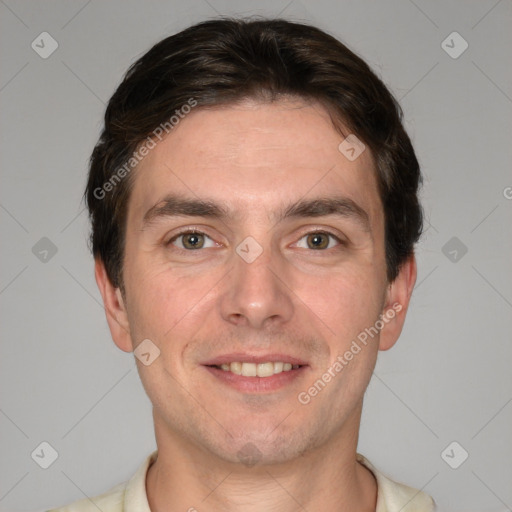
[(174, 205), (324, 206)]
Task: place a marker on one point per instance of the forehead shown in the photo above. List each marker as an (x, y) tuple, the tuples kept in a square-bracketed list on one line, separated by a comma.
[(253, 157)]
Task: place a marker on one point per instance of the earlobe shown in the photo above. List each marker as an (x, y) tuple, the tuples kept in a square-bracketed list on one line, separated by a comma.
[(397, 302), (115, 309)]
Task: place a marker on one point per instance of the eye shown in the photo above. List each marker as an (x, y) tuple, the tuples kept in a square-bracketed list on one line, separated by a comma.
[(319, 240), (191, 240)]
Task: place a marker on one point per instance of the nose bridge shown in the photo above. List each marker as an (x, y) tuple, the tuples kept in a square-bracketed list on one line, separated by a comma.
[(256, 294)]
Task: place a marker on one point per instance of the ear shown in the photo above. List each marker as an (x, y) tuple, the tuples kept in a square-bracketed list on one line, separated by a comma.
[(397, 301), (115, 309)]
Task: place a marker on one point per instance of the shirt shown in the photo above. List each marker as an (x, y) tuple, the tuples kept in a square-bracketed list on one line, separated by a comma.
[(131, 496)]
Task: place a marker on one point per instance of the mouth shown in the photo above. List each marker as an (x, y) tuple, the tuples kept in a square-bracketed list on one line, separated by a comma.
[(256, 374)]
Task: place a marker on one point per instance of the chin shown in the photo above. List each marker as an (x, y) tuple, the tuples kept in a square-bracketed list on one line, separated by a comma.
[(268, 448)]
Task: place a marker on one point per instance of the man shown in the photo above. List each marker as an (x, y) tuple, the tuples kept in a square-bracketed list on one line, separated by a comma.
[(254, 209)]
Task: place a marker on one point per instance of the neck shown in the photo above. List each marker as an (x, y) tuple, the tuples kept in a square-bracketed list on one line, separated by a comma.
[(186, 477)]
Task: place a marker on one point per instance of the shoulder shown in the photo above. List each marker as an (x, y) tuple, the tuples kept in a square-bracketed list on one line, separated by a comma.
[(128, 496), (111, 501), (394, 496)]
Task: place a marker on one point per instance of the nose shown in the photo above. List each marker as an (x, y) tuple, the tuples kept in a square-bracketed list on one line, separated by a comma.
[(256, 293)]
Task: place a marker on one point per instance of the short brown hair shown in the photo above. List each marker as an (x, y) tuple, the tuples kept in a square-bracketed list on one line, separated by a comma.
[(226, 60)]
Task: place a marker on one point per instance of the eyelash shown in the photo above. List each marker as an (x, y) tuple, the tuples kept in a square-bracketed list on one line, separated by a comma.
[(193, 232)]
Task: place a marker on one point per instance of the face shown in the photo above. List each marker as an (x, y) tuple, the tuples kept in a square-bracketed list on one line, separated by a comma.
[(254, 245)]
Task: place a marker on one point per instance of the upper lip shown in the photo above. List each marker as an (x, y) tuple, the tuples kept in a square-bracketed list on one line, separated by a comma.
[(242, 357)]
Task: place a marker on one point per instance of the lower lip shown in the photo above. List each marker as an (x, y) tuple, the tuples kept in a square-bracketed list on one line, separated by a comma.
[(257, 384)]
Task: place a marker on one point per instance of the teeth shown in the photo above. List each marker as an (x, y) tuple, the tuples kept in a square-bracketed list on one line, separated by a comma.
[(265, 369), (249, 370), (278, 367), (258, 369), (234, 367)]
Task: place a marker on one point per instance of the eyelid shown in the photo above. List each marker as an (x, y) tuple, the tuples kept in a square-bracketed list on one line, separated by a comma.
[(310, 229)]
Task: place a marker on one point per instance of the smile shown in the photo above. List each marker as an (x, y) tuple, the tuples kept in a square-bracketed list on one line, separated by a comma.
[(266, 369)]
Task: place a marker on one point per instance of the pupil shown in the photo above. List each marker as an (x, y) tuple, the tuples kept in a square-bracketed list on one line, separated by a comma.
[(193, 240), (316, 240)]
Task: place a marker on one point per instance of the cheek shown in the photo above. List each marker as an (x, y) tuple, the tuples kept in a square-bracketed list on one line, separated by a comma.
[(164, 304), (348, 301)]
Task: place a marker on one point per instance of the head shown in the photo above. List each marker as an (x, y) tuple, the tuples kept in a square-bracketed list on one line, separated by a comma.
[(241, 132)]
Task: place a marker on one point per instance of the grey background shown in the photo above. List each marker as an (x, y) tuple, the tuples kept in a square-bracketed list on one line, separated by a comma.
[(448, 379)]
